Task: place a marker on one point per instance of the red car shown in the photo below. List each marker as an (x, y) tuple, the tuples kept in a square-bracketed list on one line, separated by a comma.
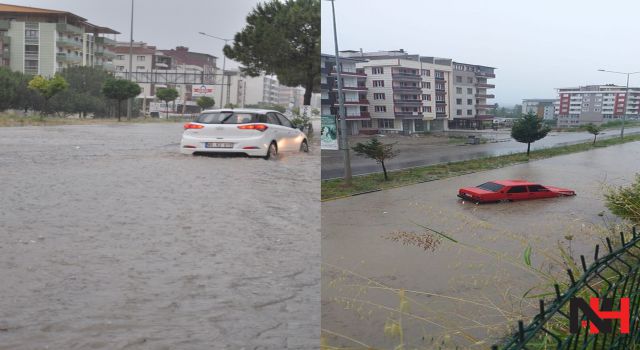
[(511, 190)]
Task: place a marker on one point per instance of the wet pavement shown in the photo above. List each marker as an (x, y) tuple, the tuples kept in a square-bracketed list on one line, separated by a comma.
[(465, 294), (111, 239), (412, 152)]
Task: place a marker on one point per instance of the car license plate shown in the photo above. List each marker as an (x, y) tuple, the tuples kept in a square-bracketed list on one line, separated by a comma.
[(218, 145)]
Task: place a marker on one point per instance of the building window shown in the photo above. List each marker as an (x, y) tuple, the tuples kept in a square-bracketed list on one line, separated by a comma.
[(458, 79), (470, 80), (439, 86), (377, 70), (469, 111), (458, 101), (378, 96), (426, 72), (439, 109), (366, 124), (458, 90), (120, 68), (426, 97), (458, 112), (439, 75), (469, 101), (385, 123), (31, 33), (427, 85), (120, 57), (380, 108), (469, 90), (139, 67), (140, 58), (440, 98), (378, 83), (426, 109)]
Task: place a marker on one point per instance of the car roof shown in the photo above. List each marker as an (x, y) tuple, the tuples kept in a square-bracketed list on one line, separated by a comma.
[(240, 110), (514, 182)]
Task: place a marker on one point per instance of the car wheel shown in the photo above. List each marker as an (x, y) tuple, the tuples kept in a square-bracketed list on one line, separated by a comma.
[(304, 146), (272, 152)]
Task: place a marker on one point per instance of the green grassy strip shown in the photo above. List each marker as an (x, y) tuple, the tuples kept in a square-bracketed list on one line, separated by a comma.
[(335, 189)]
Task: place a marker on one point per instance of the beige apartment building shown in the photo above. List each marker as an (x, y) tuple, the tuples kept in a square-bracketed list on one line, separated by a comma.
[(41, 41)]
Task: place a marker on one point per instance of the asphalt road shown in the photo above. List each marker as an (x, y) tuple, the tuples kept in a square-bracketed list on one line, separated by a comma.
[(421, 155), (112, 239)]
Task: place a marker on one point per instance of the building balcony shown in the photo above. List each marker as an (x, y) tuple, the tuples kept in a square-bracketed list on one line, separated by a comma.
[(441, 115), (359, 116), (484, 106), (68, 28), (407, 88), (107, 66), (107, 54), (357, 102), (406, 76), (485, 96), (439, 78), (409, 115), (69, 43), (408, 102), (485, 86), (348, 73), (485, 75), (352, 88), (64, 57), (485, 116), (104, 41)]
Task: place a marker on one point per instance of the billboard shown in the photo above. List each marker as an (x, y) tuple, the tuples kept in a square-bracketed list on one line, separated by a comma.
[(202, 90), (328, 132)]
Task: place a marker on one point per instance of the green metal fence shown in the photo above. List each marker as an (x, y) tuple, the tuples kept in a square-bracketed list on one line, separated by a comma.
[(614, 276)]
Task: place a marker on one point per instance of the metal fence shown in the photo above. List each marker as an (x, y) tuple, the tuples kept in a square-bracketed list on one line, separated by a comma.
[(612, 276)]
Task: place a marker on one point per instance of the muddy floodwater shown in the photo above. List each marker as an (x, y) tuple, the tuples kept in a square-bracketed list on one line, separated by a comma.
[(111, 239), (388, 279)]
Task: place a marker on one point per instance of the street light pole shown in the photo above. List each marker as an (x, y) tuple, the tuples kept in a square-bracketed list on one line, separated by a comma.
[(344, 142), (129, 104), (626, 98), (224, 61)]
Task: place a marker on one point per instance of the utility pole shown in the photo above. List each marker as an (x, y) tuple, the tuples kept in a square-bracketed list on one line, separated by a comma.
[(224, 60), (626, 98), (344, 142), (129, 104)]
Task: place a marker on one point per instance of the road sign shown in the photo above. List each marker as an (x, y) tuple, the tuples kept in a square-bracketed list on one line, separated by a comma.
[(202, 90)]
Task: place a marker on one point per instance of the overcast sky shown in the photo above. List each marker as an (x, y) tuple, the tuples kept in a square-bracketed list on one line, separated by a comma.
[(165, 24), (537, 46)]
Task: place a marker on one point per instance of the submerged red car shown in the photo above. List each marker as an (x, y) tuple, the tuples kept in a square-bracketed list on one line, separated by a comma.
[(511, 190)]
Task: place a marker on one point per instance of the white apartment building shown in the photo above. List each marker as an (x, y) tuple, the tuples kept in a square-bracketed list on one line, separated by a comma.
[(263, 88), (469, 96), (596, 104), (41, 41), (543, 108)]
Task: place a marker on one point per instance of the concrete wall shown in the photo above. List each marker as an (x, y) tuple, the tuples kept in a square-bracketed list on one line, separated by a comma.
[(47, 50), (16, 56)]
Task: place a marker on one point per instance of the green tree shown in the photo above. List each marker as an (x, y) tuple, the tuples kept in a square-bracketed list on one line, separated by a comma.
[(377, 151), (230, 105), (528, 129), (120, 90), (48, 87), (282, 38), (9, 83), (84, 95), (625, 201), (593, 129), (205, 102), (167, 95)]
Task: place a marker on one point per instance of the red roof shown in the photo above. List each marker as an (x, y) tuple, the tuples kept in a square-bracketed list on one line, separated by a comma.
[(514, 182), (136, 50), (182, 55)]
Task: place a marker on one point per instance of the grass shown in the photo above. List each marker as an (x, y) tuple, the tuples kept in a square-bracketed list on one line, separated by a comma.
[(334, 189), (11, 120), (615, 124)]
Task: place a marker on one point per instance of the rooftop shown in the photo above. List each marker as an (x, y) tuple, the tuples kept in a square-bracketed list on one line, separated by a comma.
[(8, 9)]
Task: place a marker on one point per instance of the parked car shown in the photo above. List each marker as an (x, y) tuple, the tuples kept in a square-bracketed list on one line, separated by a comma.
[(253, 132), (511, 190)]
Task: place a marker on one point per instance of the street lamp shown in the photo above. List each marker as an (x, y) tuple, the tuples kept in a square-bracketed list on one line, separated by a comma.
[(626, 97), (129, 104), (223, 60), (344, 142)]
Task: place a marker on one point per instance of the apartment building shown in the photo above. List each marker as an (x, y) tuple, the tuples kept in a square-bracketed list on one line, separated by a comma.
[(42, 41), (354, 93), (543, 108), (263, 88), (469, 97), (595, 104), (146, 58), (234, 88), (291, 96), (406, 93)]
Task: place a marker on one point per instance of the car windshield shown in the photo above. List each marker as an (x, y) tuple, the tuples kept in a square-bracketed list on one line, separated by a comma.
[(491, 186), (226, 118)]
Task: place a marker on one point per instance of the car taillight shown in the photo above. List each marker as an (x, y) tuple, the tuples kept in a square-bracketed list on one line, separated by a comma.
[(259, 127), (193, 126)]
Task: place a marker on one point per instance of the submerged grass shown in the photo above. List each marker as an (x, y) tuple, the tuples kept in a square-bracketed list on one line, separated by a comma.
[(12, 120), (336, 188)]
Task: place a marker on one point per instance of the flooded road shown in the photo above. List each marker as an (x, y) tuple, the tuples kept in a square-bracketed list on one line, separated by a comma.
[(413, 153), (111, 239), (379, 258)]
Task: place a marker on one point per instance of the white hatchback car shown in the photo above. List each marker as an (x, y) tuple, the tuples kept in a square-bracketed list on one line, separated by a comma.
[(254, 132)]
